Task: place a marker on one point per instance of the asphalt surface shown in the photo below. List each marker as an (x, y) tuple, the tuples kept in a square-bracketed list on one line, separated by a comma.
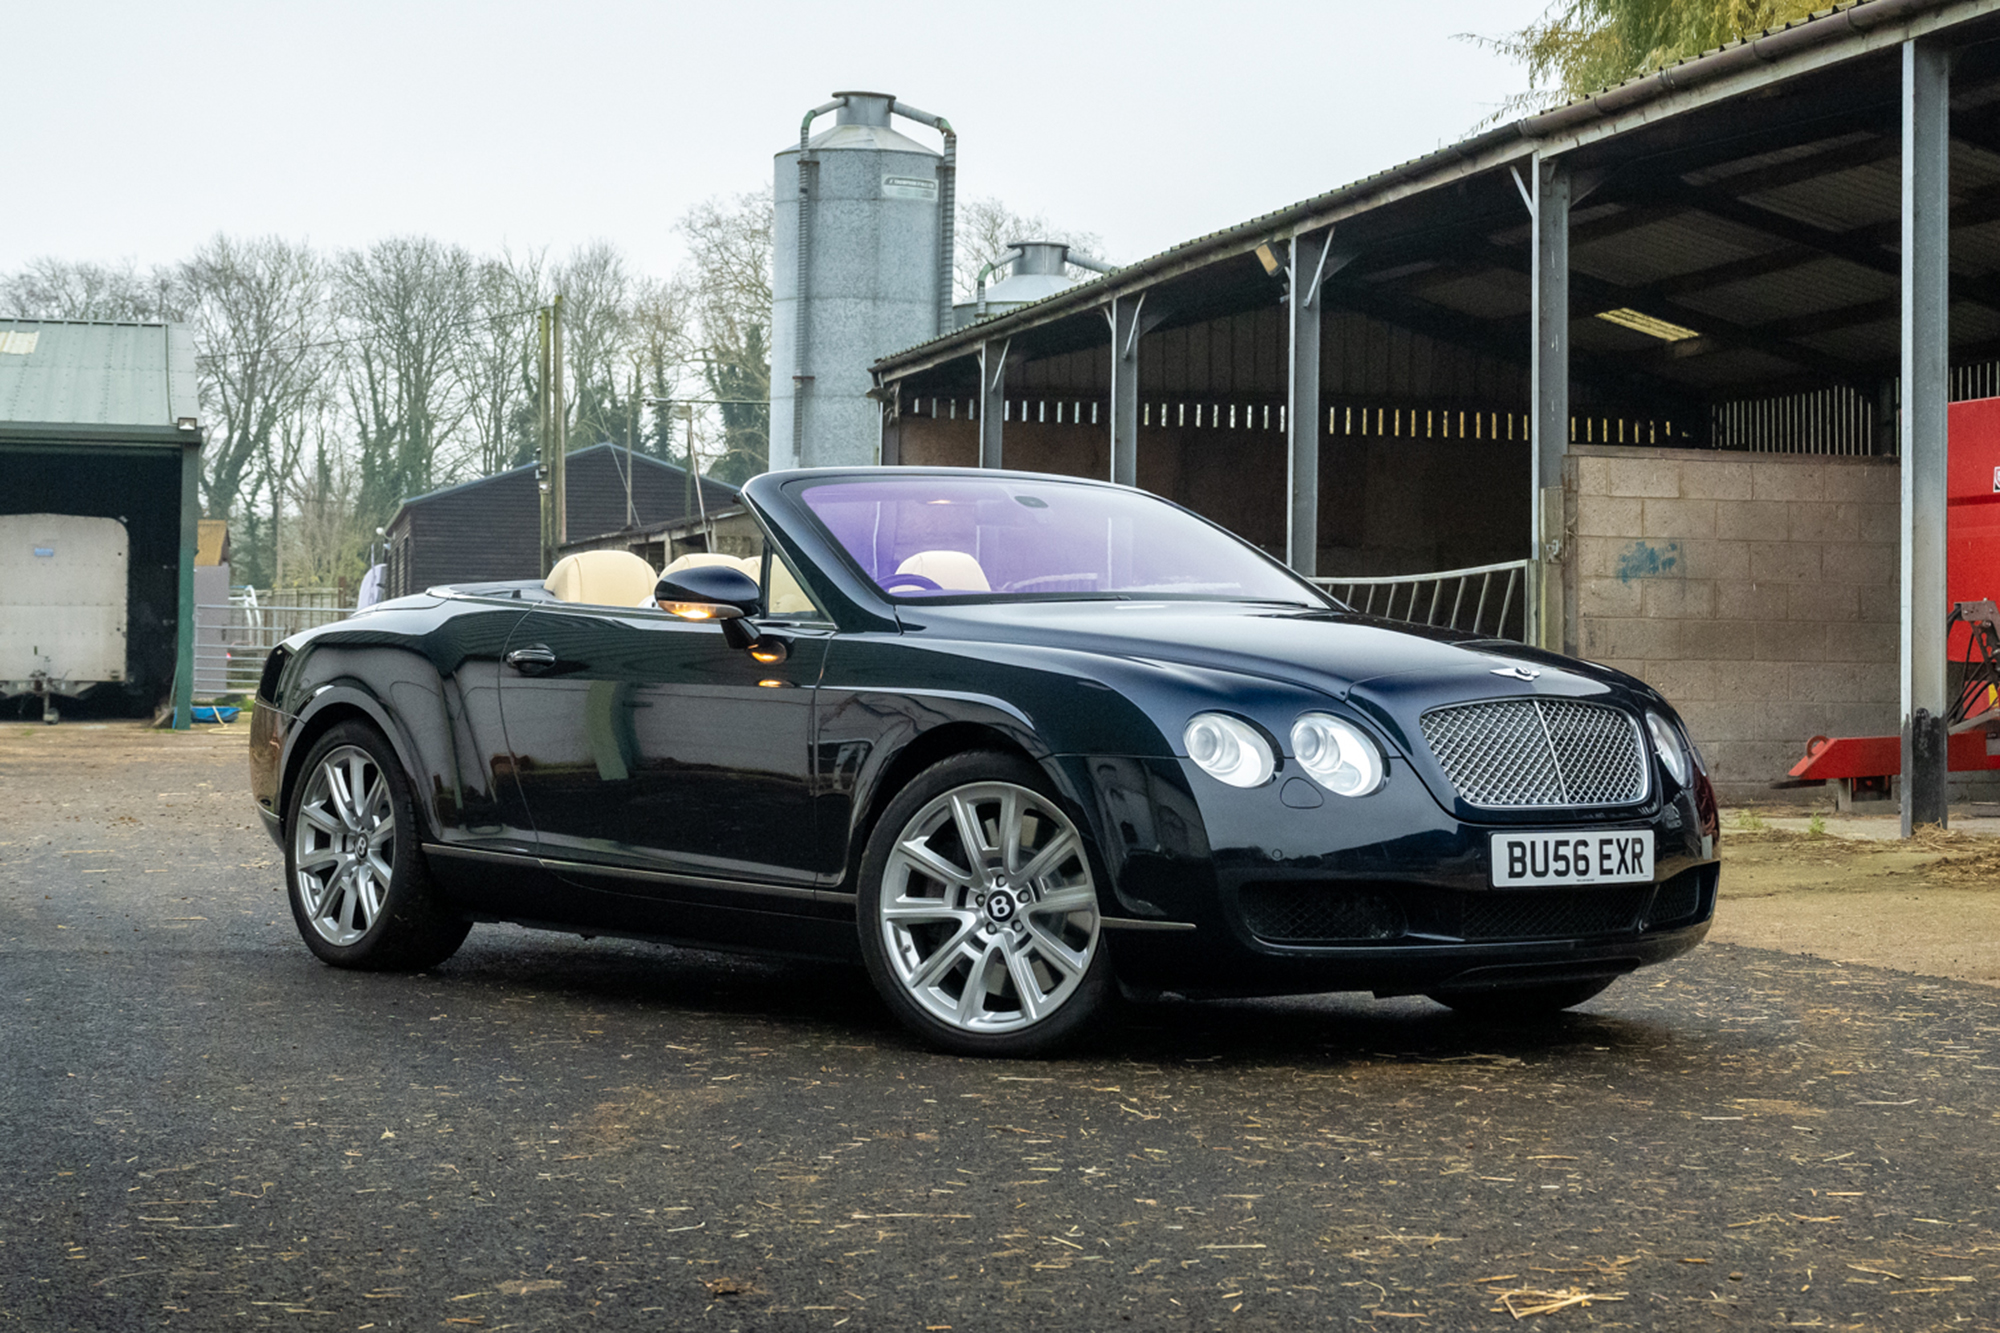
[(202, 1127)]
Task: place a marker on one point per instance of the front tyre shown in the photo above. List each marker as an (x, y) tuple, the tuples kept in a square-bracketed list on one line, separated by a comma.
[(360, 890), (1520, 1004), (978, 911)]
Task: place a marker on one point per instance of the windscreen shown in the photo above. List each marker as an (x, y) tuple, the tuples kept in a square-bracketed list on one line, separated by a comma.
[(927, 537)]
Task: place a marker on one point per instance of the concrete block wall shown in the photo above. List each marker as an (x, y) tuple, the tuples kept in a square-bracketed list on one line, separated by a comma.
[(1758, 592)]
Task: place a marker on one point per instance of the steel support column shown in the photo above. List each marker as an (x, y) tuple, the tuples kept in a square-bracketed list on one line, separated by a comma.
[(992, 400), (1124, 316), (1548, 393), (1303, 427), (183, 702), (1926, 262)]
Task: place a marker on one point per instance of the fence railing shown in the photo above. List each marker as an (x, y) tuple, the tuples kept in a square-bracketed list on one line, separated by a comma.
[(232, 641), (1482, 599)]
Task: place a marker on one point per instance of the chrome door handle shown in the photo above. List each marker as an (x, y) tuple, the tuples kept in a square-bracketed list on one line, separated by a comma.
[(531, 659)]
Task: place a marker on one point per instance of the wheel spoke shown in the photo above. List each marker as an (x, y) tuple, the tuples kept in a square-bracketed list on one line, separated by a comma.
[(916, 911), (939, 963), (1056, 953), (338, 800), (1049, 858), (1026, 988), (969, 831), (356, 776), (1064, 901), (972, 1000), (1010, 830), (325, 856), (929, 861), (376, 802)]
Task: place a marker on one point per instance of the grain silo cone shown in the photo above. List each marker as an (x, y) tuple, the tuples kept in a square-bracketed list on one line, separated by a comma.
[(861, 258)]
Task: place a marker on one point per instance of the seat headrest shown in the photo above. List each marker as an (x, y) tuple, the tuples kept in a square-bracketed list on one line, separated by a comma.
[(955, 571), (602, 578), (696, 559)]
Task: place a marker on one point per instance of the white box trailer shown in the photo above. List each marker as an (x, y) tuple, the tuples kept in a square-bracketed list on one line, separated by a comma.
[(62, 604)]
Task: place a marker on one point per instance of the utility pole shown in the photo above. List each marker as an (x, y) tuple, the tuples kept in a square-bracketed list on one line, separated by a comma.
[(694, 481), (543, 436), (557, 490)]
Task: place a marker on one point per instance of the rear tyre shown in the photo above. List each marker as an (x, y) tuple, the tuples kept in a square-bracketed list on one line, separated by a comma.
[(361, 892), (1520, 1004), (978, 911)]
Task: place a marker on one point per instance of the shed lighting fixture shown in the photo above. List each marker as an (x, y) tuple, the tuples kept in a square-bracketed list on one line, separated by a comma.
[(1646, 324), (1273, 260), (187, 423)]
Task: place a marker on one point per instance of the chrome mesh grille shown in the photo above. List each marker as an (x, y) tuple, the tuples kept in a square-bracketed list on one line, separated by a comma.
[(1538, 752)]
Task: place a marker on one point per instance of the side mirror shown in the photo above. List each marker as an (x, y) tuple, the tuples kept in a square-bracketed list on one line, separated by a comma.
[(708, 592), (713, 592)]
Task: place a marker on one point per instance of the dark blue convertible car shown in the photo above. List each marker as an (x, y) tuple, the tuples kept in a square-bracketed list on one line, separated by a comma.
[(1011, 741)]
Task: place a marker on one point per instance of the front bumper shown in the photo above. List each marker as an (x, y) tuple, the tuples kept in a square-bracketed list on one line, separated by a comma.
[(1291, 890)]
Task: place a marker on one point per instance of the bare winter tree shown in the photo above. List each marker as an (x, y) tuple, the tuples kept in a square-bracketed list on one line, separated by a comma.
[(665, 348), (495, 360), (597, 289), (406, 302), (986, 227), (261, 320), (729, 281), (50, 288)]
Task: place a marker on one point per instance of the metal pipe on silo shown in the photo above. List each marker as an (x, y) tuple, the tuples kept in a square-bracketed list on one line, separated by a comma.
[(947, 203), (799, 376)]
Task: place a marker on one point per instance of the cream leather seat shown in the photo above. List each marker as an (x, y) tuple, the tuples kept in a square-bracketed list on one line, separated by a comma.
[(602, 578), (953, 571)]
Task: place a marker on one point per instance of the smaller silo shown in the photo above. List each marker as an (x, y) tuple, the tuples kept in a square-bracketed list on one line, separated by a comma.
[(861, 258), (1033, 271)]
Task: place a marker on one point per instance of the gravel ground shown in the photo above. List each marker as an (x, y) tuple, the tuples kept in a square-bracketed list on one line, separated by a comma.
[(207, 1129)]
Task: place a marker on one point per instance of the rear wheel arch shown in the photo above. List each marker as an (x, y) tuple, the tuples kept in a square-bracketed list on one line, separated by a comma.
[(337, 705)]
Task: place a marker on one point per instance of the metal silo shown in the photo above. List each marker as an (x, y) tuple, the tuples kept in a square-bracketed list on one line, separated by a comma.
[(861, 253)]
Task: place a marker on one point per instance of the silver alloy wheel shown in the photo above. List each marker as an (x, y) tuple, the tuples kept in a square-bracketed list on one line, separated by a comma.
[(988, 909), (344, 845)]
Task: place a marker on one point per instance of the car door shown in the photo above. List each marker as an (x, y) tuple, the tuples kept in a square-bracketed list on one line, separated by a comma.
[(656, 759)]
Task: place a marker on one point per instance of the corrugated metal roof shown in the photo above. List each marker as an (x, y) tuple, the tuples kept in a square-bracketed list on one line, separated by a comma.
[(72, 374), (1765, 52)]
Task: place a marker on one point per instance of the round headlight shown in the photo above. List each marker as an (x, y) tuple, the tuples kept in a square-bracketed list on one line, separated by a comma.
[(1337, 755), (1667, 744), (1229, 750)]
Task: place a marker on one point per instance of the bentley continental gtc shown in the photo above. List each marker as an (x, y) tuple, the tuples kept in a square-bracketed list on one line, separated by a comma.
[(1013, 742)]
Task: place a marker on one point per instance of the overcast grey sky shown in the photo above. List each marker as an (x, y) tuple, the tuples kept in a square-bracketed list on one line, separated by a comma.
[(140, 127)]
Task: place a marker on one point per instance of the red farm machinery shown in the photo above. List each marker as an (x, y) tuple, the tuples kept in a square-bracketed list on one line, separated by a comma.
[(1861, 766)]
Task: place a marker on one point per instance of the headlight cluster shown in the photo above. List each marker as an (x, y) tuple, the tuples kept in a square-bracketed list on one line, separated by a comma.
[(1335, 754), (1229, 750), (1667, 744)]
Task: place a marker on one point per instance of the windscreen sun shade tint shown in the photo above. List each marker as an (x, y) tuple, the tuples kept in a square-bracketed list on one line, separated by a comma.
[(928, 537)]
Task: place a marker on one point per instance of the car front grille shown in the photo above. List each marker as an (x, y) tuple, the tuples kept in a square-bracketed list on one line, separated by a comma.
[(1349, 913), (1555, 914), (1304, 911), (1525, 753)]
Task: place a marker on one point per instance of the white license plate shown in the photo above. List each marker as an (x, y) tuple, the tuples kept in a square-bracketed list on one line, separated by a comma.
[(1529, 859)]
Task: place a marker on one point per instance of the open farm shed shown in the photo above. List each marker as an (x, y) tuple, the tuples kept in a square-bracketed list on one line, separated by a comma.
[(1683, 348), (102, 421)]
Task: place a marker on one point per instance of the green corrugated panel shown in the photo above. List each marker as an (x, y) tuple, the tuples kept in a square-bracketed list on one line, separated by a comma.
[(89, 374)]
